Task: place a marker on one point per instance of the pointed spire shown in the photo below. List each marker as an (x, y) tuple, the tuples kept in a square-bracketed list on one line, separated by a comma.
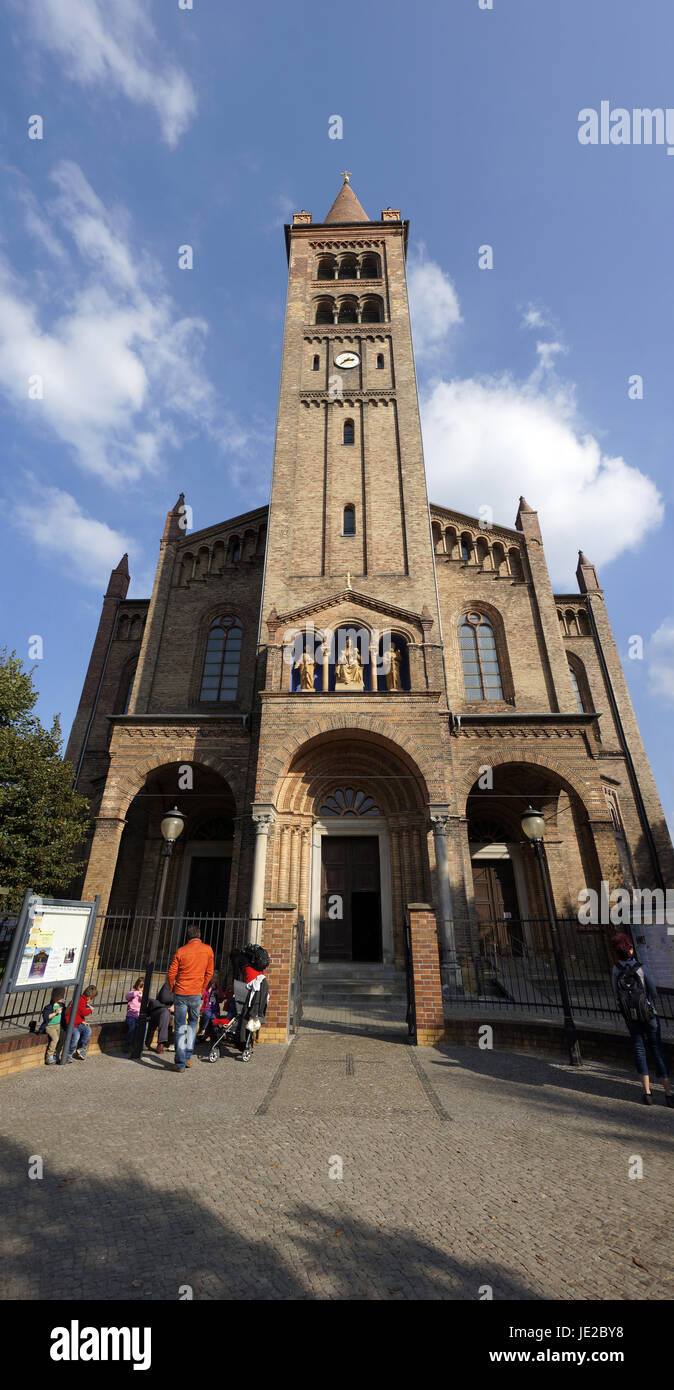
[(586, 574), (119, 579), (174, 530), (526, 521), (346, 207)]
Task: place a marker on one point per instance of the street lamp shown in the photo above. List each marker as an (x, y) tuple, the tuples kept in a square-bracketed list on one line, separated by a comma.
[(533, 826), (171, 828)]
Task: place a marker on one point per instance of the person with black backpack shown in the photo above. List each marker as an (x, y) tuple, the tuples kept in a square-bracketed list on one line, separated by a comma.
[(635, 993)]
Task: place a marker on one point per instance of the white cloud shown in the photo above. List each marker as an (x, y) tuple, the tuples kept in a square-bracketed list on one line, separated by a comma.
[(40, 229), (122, 373), (534, 316), (434, 306), (546, 353), (487, 441), (285, 207), (660, 661), (99, 234), (60, 531), (112, 44)]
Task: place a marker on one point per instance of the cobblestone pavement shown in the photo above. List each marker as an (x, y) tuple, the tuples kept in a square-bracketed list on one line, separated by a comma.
[(460, 1168)]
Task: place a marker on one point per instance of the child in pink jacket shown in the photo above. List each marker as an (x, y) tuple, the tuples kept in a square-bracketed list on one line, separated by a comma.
[(133, 1000)]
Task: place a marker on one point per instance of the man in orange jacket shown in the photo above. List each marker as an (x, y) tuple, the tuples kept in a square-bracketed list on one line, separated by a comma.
[(189, 973)]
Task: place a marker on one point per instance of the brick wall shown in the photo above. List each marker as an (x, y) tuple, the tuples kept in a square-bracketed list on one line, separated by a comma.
[(426, 971), (277, 940)]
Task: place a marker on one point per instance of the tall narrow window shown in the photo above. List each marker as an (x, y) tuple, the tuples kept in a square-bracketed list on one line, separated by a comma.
[(380, 361), (349, 436), (349, 521), (317, 363), (481, 674), (576, 690), (125, 689), (223, 657)]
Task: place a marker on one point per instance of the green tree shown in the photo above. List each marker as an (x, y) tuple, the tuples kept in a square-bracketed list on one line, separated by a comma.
[(42, 818)]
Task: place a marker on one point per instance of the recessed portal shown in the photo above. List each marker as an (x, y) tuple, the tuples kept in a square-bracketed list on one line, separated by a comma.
[(350, 922), (208, 886)]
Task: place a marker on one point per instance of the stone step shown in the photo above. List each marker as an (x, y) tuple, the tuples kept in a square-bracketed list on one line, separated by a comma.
[(334, 1000), (374, 991), (353, 970), (380, 986)]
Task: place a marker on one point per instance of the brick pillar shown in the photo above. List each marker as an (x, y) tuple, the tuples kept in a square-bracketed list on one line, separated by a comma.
[(277, 936), (607, 853), (103, 859), (426, 972), (100, 874)]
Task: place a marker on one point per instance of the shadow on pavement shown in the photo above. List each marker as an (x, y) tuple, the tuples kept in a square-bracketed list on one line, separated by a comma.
[(562, 1087), (71, 1235)]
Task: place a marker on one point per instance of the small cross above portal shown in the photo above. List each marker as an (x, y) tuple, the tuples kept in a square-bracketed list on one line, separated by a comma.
[(347, 578)]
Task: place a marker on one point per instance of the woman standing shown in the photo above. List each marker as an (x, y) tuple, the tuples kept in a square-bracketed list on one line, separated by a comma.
[(635, 994)]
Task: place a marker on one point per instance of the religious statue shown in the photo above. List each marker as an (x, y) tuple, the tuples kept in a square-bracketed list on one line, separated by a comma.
[(349, 668), (393, 680), (305, 666)]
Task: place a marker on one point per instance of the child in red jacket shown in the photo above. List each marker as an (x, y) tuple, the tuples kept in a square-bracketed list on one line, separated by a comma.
[(81, 1033)]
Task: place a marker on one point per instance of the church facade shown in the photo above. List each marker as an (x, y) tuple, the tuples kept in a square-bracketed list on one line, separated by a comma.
[(351, 695)]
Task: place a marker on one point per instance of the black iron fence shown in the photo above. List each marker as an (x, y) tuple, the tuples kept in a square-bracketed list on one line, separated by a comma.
[(119, 954), (510, 965)]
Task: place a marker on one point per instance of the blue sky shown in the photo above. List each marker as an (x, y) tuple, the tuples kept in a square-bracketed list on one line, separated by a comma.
[(164, 127)]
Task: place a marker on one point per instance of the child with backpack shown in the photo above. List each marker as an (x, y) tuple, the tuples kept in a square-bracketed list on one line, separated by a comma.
[(634, 993), (51, 1024)]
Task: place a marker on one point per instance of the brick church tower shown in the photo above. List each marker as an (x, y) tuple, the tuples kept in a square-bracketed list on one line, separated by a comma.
[(350, 568), (349, 490)]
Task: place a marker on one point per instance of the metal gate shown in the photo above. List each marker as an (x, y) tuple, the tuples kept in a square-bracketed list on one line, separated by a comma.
[(409, 973), (297, 977)]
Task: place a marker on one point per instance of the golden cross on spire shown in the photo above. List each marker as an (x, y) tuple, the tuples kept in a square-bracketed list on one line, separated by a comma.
[(347, 577), (346, 174)]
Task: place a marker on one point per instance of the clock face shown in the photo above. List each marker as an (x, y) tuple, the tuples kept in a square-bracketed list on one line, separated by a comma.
[(347, 359)]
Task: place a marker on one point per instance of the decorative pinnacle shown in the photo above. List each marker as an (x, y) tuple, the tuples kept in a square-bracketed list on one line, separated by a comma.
[(346, 175)]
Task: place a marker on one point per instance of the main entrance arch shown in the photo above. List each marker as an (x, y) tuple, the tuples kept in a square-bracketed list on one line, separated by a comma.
[(350, 844)]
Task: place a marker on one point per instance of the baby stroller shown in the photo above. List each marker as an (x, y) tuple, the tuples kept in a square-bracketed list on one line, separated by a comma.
[(249, 1004)]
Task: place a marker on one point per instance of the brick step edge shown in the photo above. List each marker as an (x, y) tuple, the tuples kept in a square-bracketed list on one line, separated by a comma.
[(21, 1051)]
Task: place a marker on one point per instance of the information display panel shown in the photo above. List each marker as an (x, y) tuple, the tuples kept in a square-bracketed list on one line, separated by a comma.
[(52, 951)]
